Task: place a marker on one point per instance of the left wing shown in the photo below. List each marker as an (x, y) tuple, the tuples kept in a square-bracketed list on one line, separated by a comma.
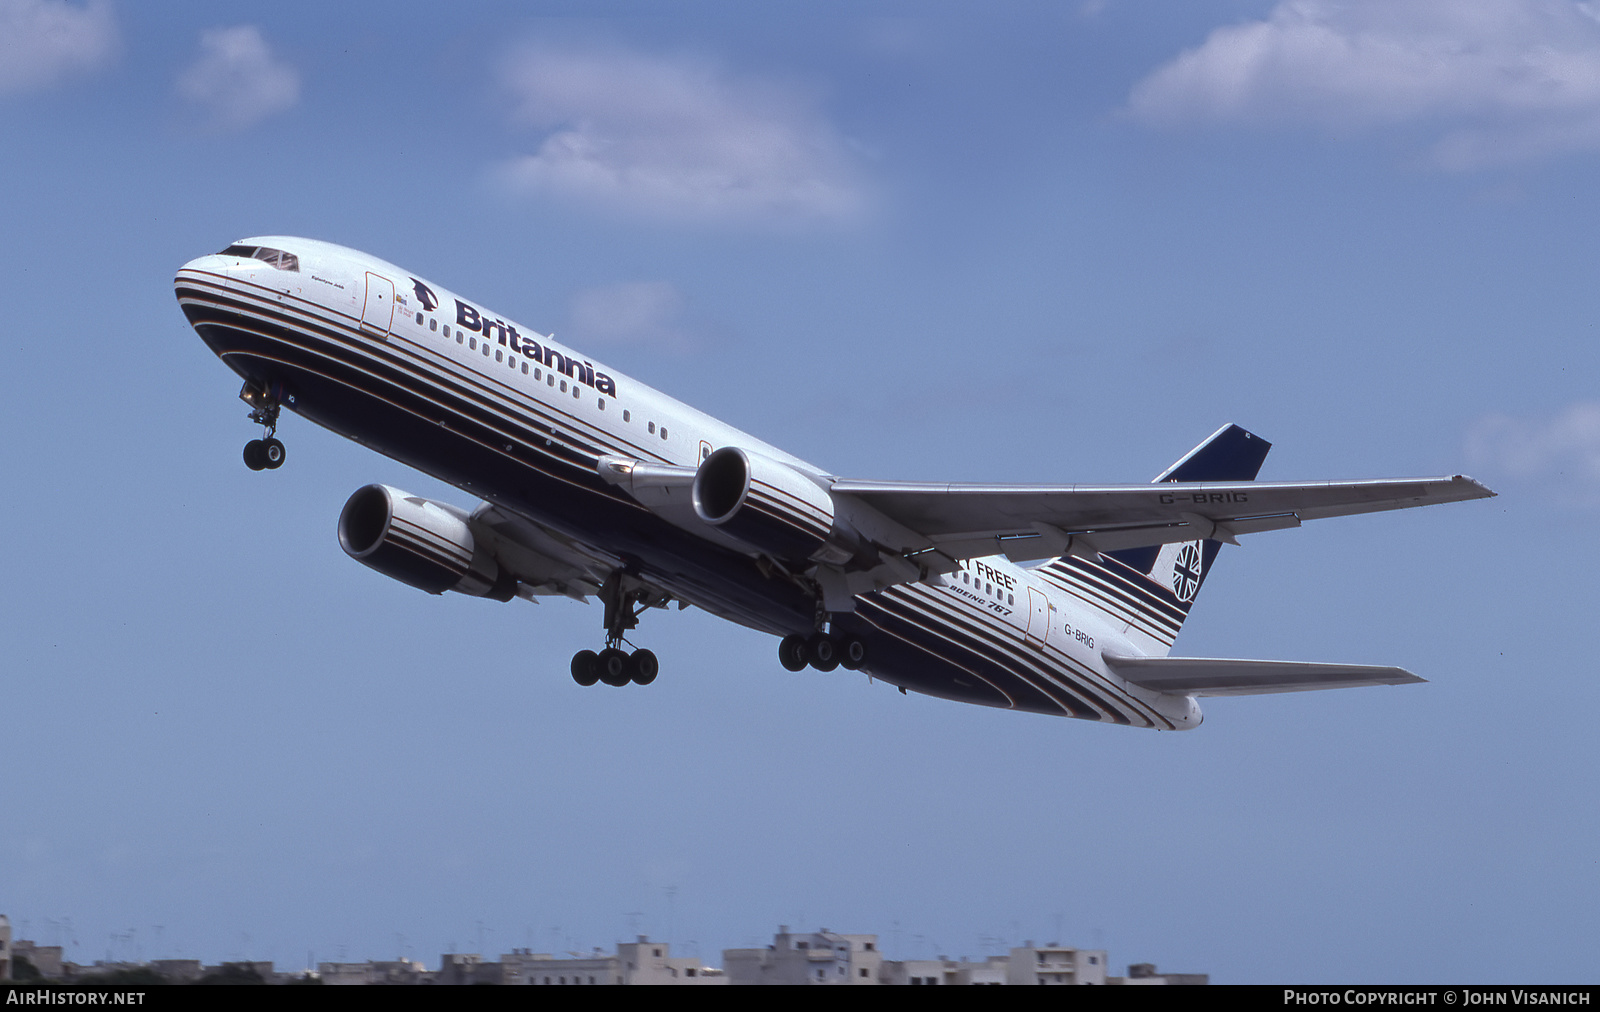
[(865, 535), (1042, 521)]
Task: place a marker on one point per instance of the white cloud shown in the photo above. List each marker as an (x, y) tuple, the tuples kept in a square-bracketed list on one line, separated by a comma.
[(1495, 80), (1562, 453), (630, 312), (44, 41), (675, 138), (237, 80)]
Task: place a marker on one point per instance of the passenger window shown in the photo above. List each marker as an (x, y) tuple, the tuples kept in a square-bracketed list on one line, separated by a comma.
[(434, 325), (474, 344), (524, 368), (499, 356), (652, 428), (663, 432), (563, 386), (602, 404), (419, 319), (627, 416)]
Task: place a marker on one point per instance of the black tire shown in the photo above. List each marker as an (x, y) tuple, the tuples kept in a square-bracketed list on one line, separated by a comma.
[(824, 653), (852, 653), (585, 667), (792, 653), (272, 454), (643, 667), (613, 666), (255, 454)]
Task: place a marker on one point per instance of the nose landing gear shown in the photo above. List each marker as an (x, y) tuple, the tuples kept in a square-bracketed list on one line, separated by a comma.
[(263, 454), (266, 453)]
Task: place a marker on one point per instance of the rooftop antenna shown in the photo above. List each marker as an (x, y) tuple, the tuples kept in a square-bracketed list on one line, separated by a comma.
[(672, 916)]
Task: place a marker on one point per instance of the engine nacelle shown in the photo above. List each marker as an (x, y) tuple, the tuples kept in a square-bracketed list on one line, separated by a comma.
[(772, 507), (428, 545)]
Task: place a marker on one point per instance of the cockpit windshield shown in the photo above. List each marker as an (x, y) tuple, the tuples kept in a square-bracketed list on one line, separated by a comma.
[(281, 259)]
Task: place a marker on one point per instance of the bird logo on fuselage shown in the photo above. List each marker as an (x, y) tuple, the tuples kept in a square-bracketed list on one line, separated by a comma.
[(425, 295)]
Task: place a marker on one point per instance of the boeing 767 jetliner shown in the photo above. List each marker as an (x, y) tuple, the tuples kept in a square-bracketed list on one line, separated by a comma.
[(594, 485)]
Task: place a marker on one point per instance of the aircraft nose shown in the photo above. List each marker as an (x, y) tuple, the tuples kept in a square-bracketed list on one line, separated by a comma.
[(197, 263), (208, 263)]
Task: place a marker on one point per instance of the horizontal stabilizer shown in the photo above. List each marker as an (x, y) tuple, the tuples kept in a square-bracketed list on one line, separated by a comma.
[(1206, 676)]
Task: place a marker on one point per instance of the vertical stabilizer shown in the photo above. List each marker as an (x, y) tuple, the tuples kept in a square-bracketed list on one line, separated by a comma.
[(1147, 592)]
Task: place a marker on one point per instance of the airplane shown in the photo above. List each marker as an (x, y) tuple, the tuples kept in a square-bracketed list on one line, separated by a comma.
[(593, 485)]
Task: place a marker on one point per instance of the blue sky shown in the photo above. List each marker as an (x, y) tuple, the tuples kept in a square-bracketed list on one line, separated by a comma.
[(1022, 242)]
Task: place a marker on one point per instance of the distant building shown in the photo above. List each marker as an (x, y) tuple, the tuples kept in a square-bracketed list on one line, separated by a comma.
[(946, 972), (1055, 964), (179, 971), (821, 957), (457, 968), (398, 971), (44, 958), (1145, 974), (637, 962), (824, 957)]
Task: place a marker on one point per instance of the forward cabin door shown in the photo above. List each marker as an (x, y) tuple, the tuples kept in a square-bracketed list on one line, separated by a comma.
[(377, 311)]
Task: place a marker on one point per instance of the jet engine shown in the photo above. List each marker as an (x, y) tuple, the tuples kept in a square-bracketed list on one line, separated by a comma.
[(772, 507), (428, 545)]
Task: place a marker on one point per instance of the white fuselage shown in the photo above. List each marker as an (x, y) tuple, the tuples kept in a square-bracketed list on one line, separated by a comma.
[(515, 418)]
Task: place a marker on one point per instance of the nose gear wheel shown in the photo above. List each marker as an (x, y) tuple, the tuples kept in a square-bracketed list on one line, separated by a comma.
[(266, 453)]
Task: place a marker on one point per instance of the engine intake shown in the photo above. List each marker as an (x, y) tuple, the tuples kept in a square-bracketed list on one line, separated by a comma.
[(425, 544), (772, 507)]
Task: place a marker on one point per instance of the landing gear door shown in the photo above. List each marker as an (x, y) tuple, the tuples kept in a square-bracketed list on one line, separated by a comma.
[(377, 311)]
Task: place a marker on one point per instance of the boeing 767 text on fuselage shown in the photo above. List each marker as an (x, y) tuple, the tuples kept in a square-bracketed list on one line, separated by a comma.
[(594, 485)]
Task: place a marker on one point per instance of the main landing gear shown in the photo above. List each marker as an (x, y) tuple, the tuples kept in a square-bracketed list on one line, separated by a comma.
[(822, 652), (266, 453), (614, 665)]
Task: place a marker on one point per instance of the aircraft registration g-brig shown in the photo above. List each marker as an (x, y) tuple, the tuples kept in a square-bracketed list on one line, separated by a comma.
[(594, 485)]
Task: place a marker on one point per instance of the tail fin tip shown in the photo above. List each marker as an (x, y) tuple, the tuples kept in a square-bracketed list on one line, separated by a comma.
[(1231, 453)]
